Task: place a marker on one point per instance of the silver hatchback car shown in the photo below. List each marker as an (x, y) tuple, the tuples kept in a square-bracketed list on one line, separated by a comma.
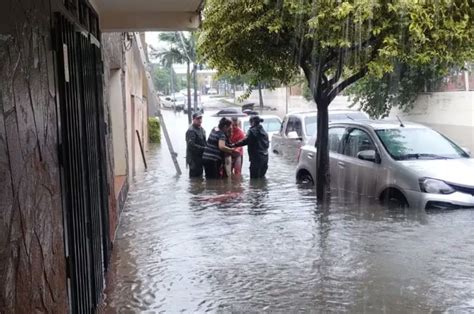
[(402, 164)]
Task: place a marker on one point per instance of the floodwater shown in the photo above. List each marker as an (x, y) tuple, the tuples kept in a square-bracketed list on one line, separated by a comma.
[(266, 246)]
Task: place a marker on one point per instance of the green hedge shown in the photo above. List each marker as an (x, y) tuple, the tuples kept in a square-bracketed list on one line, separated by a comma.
[(154, 130)]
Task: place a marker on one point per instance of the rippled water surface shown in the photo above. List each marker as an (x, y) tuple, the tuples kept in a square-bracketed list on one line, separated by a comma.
[(243, 246)]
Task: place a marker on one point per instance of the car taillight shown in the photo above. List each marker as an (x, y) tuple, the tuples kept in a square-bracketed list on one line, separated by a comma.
[(299, 154)]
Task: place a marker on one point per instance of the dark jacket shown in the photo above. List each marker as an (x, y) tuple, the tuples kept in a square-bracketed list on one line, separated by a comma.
[(195, 143), (257, 141)]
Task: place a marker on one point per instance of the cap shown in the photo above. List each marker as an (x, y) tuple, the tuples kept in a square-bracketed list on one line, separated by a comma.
[(197, 115)]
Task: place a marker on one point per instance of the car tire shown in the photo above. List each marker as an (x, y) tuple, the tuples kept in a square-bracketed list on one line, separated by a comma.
[(393, 199), (305, 178)]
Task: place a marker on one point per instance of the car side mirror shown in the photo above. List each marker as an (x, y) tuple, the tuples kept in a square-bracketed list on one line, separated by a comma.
[(294, 136), (369, 155), (466, 150)]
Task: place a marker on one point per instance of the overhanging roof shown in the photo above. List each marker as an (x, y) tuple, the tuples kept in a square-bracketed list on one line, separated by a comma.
[(148, 15)]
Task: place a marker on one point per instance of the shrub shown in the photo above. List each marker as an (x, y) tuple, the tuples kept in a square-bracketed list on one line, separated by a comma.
[(154, 130)]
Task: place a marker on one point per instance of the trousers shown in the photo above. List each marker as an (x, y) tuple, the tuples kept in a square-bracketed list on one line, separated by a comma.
[(258, 167)]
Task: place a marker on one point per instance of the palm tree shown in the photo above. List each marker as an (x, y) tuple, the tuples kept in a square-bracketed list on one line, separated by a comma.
[(182, 50)]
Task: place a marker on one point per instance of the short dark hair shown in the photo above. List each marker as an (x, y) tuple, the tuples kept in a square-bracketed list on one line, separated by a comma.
[(255, 119), (224, 122)]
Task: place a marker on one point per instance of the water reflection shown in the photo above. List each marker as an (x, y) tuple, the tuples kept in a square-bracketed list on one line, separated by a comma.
[(251, 246)]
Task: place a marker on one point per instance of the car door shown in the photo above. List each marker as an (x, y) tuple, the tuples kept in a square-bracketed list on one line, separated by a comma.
[(335, 138), (356, 175), (292, 144), (277, 138)]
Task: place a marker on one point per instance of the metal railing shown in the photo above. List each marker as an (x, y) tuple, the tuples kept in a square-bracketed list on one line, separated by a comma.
[(82, 157)]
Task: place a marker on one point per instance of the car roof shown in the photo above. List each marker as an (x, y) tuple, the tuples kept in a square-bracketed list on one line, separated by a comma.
[(302, 113), (379, 124), (263, 116), (330, 111)]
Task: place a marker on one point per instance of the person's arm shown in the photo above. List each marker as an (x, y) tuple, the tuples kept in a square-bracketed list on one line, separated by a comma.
[(247, 139), (224, 148)]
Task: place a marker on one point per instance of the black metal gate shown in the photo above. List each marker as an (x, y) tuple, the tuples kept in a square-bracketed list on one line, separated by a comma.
[(82, 156)]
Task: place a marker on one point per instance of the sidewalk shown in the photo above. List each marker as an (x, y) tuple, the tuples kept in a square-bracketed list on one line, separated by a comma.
[(275, 102)]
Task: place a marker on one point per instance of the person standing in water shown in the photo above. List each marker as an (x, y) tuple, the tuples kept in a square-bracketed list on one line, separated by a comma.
[(216, 148), (258, 143), (237, 135), (195, 144)]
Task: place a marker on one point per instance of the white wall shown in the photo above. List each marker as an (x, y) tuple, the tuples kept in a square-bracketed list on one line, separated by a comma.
[(451, 113), (117, 113)]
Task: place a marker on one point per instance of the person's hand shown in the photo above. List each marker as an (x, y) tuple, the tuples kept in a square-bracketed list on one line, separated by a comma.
[(231, 145), (235, 152)]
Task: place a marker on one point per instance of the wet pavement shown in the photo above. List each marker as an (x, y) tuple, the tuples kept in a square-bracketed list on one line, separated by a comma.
[(265, 246)]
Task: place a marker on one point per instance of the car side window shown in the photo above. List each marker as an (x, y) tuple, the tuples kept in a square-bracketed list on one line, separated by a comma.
[(357, 141), (290, 126), (298, 127), (335, 138)]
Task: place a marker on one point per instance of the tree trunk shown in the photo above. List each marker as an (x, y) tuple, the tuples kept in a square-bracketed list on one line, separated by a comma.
[(171, 81), (195, 87), (322, 152), (233, 91), (188, 76), (260, 96)]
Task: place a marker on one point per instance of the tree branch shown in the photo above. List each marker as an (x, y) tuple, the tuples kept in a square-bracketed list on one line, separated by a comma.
[(341, 86)]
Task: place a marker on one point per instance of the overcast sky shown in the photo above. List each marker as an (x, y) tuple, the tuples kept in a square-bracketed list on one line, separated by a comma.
[(151, 39)]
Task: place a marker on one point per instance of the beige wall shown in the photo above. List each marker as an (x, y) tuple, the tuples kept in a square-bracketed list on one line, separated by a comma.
[(136, 108), (451, 113), (117, 113)]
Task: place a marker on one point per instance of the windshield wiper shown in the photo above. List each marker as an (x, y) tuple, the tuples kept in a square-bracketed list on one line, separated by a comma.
[(422, 156)]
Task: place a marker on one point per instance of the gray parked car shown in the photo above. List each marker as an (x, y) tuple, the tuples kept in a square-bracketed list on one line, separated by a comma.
[(403, 164)]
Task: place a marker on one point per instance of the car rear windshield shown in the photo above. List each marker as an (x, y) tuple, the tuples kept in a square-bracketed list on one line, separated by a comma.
[(413, 143), (271, 124), (310, 125)]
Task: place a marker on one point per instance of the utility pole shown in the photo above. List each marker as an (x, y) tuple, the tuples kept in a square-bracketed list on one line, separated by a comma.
[(195, 87), (188, 75)]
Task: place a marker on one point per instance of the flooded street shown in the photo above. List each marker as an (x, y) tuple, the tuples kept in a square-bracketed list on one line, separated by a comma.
[(242, 246)]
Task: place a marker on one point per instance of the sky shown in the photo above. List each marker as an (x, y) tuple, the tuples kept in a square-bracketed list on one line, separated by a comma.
[(151, 39)]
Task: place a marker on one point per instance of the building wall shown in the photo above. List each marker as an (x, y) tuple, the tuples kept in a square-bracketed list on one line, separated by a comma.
[(112, 56), (32, 259), (136, 106), (451, 113), (117, 113)]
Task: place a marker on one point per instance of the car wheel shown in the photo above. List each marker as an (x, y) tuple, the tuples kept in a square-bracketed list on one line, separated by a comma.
[(393, 199), (305, 178)]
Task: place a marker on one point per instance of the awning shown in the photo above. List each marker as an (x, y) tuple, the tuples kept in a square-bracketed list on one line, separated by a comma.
[(148, 15)]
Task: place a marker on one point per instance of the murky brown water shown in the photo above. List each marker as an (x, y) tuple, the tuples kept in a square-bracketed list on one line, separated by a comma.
[(242, 246)]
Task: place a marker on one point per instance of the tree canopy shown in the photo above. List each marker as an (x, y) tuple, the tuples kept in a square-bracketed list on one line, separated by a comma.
[(334, 43)]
